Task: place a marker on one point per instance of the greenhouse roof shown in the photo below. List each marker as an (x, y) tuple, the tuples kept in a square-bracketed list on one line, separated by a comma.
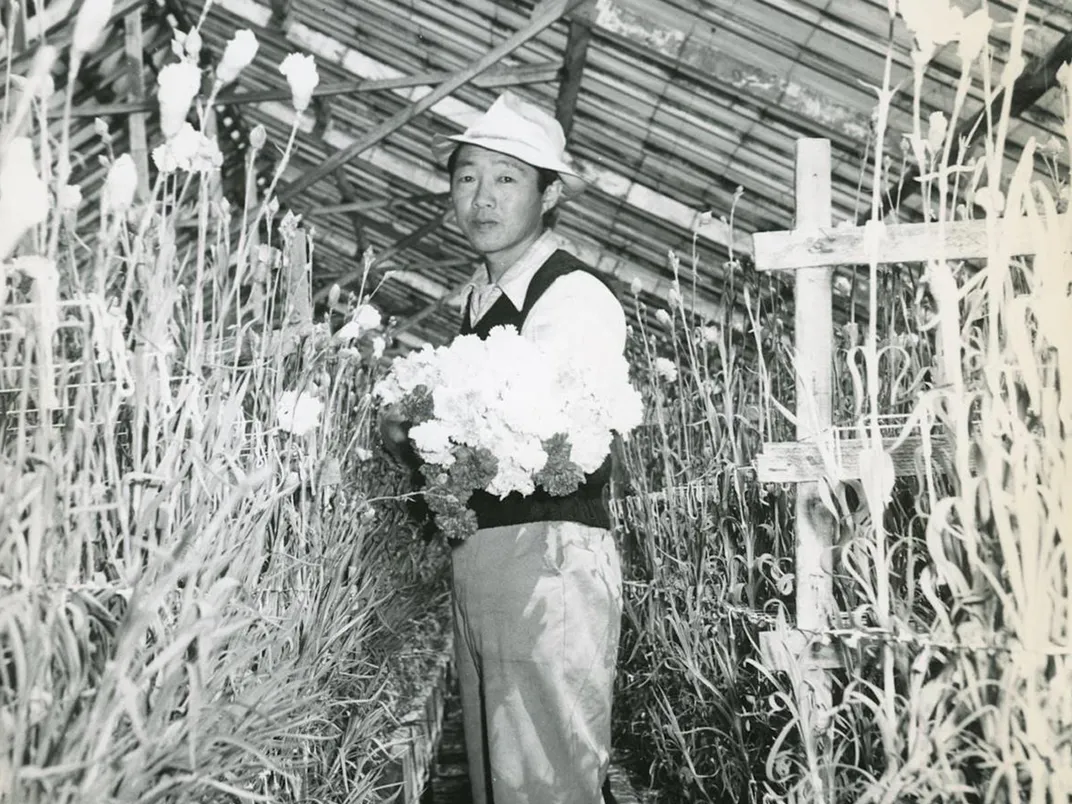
[(682, 114)]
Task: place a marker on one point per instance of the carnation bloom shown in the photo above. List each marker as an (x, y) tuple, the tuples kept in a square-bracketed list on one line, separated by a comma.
[(192, 43), (663, 318), (120, 185), (298, 413), (711, 334), (69, 197), (23, 195), (365, 319), (300, 72), (90, 22), (516, 401), (258, 137), (188, 150), (636, 286), (179, 84), (666, 368), (237, 55)]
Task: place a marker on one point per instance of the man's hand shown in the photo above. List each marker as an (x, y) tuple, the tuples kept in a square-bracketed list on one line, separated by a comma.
[(394, 433)]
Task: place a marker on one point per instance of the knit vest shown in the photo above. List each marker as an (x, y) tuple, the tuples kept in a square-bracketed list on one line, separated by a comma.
[(587, 505)]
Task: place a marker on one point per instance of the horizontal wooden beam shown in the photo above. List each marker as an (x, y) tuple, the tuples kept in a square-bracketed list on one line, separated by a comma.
[(905, 242), (379, 203), (804, 461), (790, 650), (531, 74)]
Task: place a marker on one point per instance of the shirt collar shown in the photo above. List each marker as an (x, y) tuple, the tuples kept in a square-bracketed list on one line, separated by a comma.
[(515, 282)]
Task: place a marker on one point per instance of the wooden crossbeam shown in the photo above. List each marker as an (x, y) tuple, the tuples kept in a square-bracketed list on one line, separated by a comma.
[(531, 74), (839, 460), (547, 17), (907, 242), (580, 34), (379, 203), (796, 649), (815, 535)]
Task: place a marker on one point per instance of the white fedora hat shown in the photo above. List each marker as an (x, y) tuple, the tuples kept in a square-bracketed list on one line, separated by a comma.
[(520, 129)]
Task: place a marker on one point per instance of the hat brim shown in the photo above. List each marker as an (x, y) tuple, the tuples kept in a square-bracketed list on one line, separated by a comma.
[(572, 184)]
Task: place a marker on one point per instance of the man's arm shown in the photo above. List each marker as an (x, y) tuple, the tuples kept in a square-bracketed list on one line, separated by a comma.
[(579, 315)]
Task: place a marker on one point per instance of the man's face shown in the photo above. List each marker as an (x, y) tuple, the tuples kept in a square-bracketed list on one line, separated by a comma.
[(498, 203)]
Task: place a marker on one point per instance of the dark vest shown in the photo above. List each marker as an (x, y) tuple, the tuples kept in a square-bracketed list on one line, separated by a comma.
[(587, 505)]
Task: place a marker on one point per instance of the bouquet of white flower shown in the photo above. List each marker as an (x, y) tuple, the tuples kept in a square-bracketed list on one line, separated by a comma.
[(505, 415)]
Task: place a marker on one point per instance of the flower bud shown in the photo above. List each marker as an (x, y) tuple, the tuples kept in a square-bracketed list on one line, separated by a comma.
[(89, 24), (333, 294), (192, 44), (120, 185), (237, 55), (258, 137), (100, 125), (301, 74)]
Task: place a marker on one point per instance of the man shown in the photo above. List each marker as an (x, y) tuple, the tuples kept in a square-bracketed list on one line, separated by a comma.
[(537, 590)]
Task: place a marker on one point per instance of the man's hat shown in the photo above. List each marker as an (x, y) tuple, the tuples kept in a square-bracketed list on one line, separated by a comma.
[(520, 129)]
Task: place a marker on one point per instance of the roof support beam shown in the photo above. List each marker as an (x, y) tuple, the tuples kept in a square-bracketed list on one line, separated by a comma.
[(406, 242), (378, 203), (547, 16), (653, 26), (580, 34), (346, 190), (514, 76)]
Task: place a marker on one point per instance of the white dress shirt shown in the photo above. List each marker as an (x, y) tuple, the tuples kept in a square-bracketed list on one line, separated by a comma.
[(577, 313)]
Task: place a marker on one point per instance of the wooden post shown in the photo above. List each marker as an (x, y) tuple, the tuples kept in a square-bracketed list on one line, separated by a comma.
[(299, 299), (813, 328), (139, 144), (815, 526)]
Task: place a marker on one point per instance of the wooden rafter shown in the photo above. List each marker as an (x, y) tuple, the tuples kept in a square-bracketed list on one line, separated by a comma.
[(346, 190), (580, 34), (378, 203), (547, 16), (529, 74)]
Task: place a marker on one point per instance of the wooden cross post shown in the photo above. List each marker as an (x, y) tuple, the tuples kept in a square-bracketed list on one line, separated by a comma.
[(819, 454), (815, 533)]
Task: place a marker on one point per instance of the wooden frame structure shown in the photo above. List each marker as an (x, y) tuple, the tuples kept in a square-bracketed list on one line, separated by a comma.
[(823, 452)]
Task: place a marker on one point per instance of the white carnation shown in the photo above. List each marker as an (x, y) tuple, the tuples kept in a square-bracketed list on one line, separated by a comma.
[(179, 84)]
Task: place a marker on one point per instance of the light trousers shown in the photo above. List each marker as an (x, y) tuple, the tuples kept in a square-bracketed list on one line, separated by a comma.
[(537, 616)]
